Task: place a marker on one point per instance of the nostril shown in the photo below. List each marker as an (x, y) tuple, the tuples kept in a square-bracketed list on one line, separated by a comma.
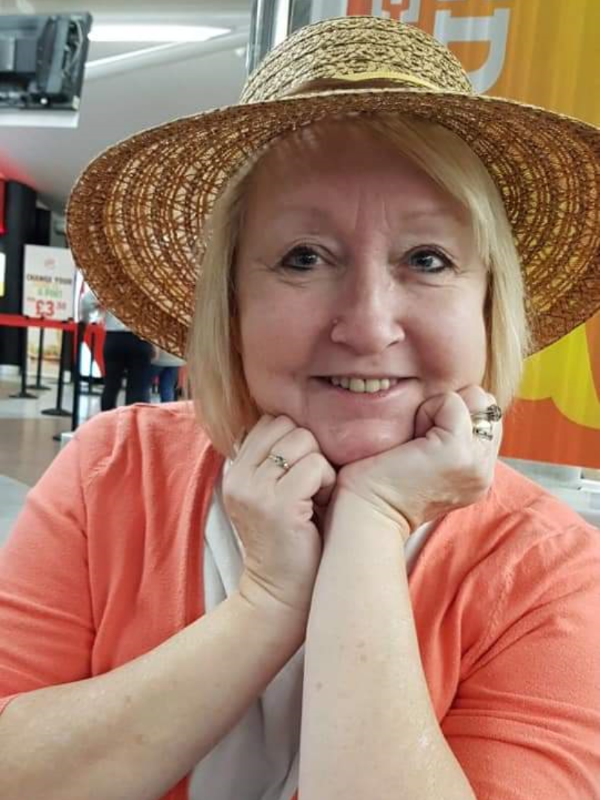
[(367, 334)]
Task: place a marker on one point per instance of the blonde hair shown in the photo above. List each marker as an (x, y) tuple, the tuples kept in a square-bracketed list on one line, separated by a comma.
[(223, 402)]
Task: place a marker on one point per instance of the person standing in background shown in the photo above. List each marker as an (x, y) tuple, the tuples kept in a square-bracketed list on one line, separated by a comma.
[(165, 367), (125, 354)]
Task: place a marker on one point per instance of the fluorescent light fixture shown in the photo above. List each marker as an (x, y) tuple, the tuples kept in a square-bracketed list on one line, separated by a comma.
[(31, 118), (154, 33)]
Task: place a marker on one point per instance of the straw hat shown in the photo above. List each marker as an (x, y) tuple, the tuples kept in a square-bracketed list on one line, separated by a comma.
[(136, 217)]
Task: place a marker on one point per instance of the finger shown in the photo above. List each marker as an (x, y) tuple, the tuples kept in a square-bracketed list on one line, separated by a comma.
[(498, 429), (489, 444), (291, 447), (475, 398), (262, 438), (426, 413), (476, 401), (260, 426), (446, 412), (328, 482), (312, 477)]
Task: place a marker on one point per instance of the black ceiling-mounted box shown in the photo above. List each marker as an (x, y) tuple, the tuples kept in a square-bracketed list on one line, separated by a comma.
[(42, 59)]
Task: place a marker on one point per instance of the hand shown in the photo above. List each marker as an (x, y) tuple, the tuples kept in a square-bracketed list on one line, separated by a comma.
[(444, 467), (272, 510)]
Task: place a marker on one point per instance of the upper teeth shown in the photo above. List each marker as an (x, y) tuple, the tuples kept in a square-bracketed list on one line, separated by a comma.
[(364, 384)]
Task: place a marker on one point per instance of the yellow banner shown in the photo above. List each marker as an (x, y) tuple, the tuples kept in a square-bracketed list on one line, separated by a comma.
[(543, 52)]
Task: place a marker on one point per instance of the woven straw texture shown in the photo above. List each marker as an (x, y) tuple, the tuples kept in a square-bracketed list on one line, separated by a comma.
[(137, 215)]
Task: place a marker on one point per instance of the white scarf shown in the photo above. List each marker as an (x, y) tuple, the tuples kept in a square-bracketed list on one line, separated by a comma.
[(259, 758)]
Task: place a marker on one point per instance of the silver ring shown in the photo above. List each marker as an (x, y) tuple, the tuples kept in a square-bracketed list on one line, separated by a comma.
[(280, 461), (492, 413), (483, 422), (484, 429)]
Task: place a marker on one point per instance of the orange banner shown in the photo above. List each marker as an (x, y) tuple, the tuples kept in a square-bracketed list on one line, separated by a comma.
[(543, 52)]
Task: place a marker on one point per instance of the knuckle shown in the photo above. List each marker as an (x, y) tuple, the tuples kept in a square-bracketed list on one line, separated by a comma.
[(313, 460), (475, 398), (285, 423), (305, 439)]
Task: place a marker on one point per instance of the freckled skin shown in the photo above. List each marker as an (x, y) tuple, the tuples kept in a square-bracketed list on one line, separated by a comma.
[(359, 212)]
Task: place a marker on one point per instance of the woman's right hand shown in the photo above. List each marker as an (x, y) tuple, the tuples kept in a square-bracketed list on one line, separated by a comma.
[(273, 510)]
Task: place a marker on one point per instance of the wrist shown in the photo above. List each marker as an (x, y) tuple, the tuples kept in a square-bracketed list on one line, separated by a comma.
[(288, 616), (350, 509)]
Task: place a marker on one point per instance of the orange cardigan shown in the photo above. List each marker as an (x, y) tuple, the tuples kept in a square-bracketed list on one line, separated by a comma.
[(506, 598)]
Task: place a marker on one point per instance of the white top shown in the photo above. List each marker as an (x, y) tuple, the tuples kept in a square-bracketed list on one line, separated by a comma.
[(258, 759), (165, 359), (91, 311)]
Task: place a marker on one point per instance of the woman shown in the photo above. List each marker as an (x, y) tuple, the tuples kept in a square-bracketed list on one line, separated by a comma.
[(224, 610)]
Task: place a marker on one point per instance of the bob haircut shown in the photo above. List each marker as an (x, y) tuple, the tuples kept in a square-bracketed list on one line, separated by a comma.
[(223, 402)]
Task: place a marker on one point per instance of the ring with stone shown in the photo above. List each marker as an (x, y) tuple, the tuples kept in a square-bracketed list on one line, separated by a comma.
[(280, 461)]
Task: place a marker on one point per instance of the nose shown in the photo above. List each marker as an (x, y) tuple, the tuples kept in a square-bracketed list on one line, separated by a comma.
[(368, 311)]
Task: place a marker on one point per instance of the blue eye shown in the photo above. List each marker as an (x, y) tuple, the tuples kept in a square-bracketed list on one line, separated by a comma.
[(429, 260), (301, 259)]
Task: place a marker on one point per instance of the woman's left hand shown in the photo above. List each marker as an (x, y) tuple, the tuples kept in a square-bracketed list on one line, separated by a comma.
[(445, 466)]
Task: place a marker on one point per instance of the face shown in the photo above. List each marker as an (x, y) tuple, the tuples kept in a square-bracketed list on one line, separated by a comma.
[(359, 288)]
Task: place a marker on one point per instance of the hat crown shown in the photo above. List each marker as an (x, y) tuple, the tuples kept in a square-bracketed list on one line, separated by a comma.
[(354, 49)]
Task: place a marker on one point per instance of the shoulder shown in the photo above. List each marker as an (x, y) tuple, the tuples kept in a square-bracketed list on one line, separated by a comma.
[(547, 549), (515, 517), (521, 514), (136, 438), (517, 549)]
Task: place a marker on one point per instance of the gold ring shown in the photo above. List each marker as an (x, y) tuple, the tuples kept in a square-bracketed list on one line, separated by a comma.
[(280, 461)]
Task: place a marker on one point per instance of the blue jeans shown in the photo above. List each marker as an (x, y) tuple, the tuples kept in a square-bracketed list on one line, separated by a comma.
[(167, 381)]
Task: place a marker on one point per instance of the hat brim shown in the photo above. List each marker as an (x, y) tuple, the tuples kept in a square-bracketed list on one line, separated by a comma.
[(136, 216)]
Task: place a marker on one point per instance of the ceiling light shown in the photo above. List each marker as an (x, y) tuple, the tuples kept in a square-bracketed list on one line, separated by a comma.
[(154, 33)]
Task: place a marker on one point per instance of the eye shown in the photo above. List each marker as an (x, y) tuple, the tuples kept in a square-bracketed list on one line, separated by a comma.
[(429, 260), (302, 258)]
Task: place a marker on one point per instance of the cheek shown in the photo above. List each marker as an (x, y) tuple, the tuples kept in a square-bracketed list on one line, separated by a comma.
[(454, 348), (276, 337)]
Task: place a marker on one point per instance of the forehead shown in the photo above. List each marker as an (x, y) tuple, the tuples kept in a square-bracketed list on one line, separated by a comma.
[(331, 163)]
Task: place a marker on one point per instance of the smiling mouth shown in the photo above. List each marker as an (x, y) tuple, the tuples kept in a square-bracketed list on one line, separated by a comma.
[(362, 385)]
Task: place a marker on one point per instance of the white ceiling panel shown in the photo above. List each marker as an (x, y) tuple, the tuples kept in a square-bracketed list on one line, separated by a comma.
[(138, 93)]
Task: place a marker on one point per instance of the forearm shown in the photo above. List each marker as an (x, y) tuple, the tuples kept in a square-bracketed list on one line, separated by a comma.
[(368, 727), (136, 731)]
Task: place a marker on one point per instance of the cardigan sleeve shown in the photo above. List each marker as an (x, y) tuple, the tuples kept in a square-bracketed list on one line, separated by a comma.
[(46, 620), (525, 721)]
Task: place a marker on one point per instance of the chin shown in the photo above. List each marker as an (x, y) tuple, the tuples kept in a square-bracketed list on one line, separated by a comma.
[(340, 449)]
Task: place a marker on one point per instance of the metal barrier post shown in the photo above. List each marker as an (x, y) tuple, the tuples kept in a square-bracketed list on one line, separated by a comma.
[(38, 378), (24, 394), (58, 410)]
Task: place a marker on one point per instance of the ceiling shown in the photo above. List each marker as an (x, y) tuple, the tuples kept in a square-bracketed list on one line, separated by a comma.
[(142, 90)]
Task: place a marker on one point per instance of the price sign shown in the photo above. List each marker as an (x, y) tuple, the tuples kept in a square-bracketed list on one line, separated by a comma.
[(49, 285)]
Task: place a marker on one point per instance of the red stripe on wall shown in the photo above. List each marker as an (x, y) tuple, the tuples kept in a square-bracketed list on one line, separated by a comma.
[(2, 195)]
